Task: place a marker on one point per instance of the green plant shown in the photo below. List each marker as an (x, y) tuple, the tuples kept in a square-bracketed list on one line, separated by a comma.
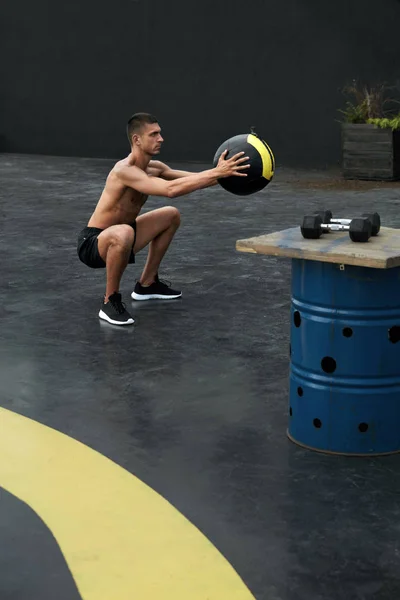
[(368, 103), (393, 123), (354, 113)]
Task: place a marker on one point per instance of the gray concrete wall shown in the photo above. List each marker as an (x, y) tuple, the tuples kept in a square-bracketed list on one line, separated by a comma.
[(73, 72)]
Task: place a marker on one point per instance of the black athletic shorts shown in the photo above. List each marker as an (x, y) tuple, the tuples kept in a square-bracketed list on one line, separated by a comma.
[(88, 251)]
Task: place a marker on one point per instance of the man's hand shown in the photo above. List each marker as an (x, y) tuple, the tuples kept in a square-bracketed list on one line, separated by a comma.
[(232, 166)]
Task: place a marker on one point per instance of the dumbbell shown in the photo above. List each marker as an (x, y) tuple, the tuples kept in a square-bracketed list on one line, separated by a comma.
[(326, 216), (373, 217), (359, 228)]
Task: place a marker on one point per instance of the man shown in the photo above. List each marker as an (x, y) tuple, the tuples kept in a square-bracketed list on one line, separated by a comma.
[(115, 232)]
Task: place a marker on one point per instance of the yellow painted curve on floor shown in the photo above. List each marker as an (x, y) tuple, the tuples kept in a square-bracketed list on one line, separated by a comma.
[(120, 539)]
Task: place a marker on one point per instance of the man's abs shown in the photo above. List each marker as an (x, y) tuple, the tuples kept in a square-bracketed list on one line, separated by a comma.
[(116, 207)]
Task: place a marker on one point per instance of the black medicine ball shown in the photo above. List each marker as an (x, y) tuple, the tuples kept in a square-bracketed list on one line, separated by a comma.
[(262, 164)]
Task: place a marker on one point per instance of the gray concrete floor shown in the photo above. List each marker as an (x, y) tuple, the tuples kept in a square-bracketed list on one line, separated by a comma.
[(193, 399)]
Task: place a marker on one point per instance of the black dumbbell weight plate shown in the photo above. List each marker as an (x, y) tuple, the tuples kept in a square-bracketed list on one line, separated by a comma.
[(360, 230), (375, 220), (311, 227)]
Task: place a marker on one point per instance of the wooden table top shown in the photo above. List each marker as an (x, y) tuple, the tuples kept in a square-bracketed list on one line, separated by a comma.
[(380, 252)]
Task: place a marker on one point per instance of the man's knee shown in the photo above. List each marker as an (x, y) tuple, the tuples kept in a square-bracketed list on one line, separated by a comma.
[(174, 215), (122, 235)]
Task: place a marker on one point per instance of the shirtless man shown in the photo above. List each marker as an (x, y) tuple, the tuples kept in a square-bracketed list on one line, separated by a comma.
[(115, 232)]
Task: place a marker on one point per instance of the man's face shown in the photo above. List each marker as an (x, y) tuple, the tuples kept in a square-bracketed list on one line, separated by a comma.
[(150, 139)]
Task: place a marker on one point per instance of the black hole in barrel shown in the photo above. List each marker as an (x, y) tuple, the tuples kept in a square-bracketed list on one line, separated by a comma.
[(317, 423), (300, 391), (290, 411), (328, 364), (297, 318), (394, 334), (363, 427), (347, 332)]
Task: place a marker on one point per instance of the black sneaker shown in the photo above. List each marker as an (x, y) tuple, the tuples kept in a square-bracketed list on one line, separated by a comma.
[(159, 290), (114, 311)]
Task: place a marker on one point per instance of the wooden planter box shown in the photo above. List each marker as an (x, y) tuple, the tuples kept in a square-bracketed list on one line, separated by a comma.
[(369, 152)]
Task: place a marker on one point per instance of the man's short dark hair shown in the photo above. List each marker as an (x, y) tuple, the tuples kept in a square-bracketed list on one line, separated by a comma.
[(137, 121)]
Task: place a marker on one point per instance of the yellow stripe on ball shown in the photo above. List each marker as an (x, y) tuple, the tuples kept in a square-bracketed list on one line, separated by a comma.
[(266, 155)]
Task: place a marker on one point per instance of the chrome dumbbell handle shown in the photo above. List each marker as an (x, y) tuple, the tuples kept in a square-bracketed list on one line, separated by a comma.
[(336, 226), (342, 221)]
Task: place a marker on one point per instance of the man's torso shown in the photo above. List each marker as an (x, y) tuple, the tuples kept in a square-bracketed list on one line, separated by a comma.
[(118, 204)]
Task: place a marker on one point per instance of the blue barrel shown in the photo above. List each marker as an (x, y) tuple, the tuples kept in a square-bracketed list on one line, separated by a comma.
[(345, 358)]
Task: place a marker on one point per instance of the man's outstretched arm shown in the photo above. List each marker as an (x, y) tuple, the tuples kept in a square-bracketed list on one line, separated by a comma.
[(160, 169), (133, 177)]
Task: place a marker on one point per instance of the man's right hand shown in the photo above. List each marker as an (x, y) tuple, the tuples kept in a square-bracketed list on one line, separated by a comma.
[(232, 166)]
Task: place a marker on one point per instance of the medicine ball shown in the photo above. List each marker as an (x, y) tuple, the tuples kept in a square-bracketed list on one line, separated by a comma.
[(262, 164)]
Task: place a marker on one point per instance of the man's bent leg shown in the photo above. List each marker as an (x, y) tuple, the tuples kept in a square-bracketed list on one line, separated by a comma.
[(156, 228), (114, 246)]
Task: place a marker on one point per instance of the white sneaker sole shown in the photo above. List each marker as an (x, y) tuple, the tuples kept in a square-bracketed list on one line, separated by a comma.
[(103, 316), (135, 296)]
